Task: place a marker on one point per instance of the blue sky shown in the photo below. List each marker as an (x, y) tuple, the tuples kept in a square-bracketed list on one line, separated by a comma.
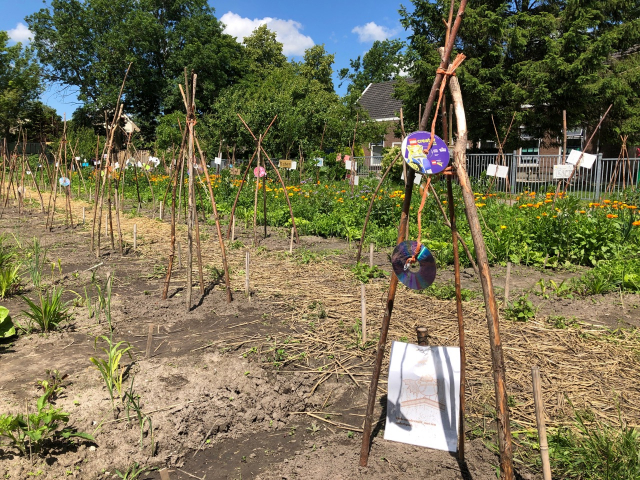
[(347, 28)]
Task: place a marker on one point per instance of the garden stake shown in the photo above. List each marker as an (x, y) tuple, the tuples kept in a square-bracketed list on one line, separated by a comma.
[(371, 255), (179, 256), (199, 254), (463, 355), (149, 341), (497, 357), (82, 215), (363, 305), (255, 203), (233, 228), (422, 334), (135, 237), (216, 217), (164, 474), (172, 253), (507, 284), (246, 274), (291, 243), (542, 430)]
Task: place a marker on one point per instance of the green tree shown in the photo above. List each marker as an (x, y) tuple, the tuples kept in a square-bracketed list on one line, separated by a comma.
[(384, 61), (534, 58), (318, 65), (89, 44), (19, 84), (263, 51)]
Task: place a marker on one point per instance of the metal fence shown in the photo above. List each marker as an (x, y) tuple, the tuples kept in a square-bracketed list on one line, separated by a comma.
[(535, 173)]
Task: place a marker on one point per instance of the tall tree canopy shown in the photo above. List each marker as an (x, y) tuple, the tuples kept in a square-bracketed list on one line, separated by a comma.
[(19, 85), (536, 58), (88, 44)]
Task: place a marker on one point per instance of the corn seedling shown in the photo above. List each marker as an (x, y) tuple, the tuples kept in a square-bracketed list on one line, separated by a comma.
[(29, 433), (50, 312), (35, 260), (9, 281), (132, 402), (132, 472), (110, 369)]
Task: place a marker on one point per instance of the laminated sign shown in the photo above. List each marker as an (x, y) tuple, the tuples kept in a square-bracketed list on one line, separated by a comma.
[(284, 164), (423, 399)]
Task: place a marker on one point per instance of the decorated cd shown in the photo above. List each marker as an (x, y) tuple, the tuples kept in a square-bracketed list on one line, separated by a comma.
[(418, 275), (259, 172), (64, 182), (414, 147)]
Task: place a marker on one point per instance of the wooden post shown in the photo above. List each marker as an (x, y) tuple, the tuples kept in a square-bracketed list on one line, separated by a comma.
[(106, 225), (135, 237), (82, 215), (149, 341), (161, 211), (363, 305), (371, 255), (506, 284), (291, 243), (423, 336), (246, 273), (542, 429), (179, 256), (233, 228)]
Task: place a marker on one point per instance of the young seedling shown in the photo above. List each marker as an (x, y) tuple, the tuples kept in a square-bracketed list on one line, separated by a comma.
[(110, 370)]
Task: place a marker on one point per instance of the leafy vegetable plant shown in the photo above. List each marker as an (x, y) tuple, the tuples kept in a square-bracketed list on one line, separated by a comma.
[(50, 312), (6, 325)]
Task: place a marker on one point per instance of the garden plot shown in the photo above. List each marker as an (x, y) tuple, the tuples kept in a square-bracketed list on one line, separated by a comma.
[(276, 385)]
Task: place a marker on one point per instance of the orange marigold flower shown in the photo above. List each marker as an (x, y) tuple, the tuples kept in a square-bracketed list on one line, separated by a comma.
[(611, 215)]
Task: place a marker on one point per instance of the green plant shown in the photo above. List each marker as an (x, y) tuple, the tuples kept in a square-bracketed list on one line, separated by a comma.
[(521, 310), (30, 433), (236, 245), (7, 329), (36, 257), (132, 402), (50, 312), (53, 385), (447, 291), (364, 272), (9, 281), (132, 472), (594, 450), (110, 369)]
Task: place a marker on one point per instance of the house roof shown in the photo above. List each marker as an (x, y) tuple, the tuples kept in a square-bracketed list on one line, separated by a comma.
[(378, 101)]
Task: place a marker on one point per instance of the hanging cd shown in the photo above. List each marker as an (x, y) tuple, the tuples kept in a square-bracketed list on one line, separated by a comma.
[(416, 276), (413, 150), (259, 172), (64, 182)]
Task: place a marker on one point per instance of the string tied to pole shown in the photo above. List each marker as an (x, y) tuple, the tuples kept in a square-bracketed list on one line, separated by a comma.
[(448, 73)]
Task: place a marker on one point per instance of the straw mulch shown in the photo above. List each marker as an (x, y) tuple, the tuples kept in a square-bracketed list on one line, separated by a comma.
[(590, 366)]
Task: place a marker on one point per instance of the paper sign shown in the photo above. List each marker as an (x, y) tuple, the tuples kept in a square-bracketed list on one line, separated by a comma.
[(586, 161), (502, 172), (235, 171), (562, 171), (491, 170), (347, 164), (423, 396), (284, 163), (356, 180), (217, 160), (416, 180), (294, 164), (319, 162)]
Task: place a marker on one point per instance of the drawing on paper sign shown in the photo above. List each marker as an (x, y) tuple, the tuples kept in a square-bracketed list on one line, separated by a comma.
[(423, 396)]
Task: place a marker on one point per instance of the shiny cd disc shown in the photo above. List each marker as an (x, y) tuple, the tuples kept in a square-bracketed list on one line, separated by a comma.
[(419, 275)]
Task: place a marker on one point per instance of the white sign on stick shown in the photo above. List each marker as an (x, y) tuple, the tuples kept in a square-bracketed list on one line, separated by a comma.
[(356, 180), (502, 172), (586, 161), (423, 396), (319, 161), (294, 164), (347, 164), (491, 170), (562, 171), (217, 160), (416, 180)]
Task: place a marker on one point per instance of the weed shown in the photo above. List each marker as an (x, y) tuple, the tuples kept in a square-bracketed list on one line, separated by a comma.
[(236, 245), (447, 291), (53, 385), (595, 282), (559, 321), (314, 428), (132, 472), (521, 310), (132, 402), (9, 281), (349, 434), (159, 271), (110, 369), (50, 312), (364, 272), (304, 256), (29, 433), (595, 450), (36, 257)]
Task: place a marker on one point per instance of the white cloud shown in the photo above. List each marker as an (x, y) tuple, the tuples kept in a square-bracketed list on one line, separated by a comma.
[(20, 34), (372, 32), (287, 31)]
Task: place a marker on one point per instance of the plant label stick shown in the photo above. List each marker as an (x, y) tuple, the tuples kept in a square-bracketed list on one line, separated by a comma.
[(246, 274), (83, 215), (164, 474), (506, 285), (135, 237), (542, 429), (371, 255), (363, 302), (291, 243), (179, 256), (149, 341)]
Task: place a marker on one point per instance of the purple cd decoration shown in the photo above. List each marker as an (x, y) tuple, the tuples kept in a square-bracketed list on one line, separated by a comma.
[(64, 182), (419, 275), (413, 150)]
